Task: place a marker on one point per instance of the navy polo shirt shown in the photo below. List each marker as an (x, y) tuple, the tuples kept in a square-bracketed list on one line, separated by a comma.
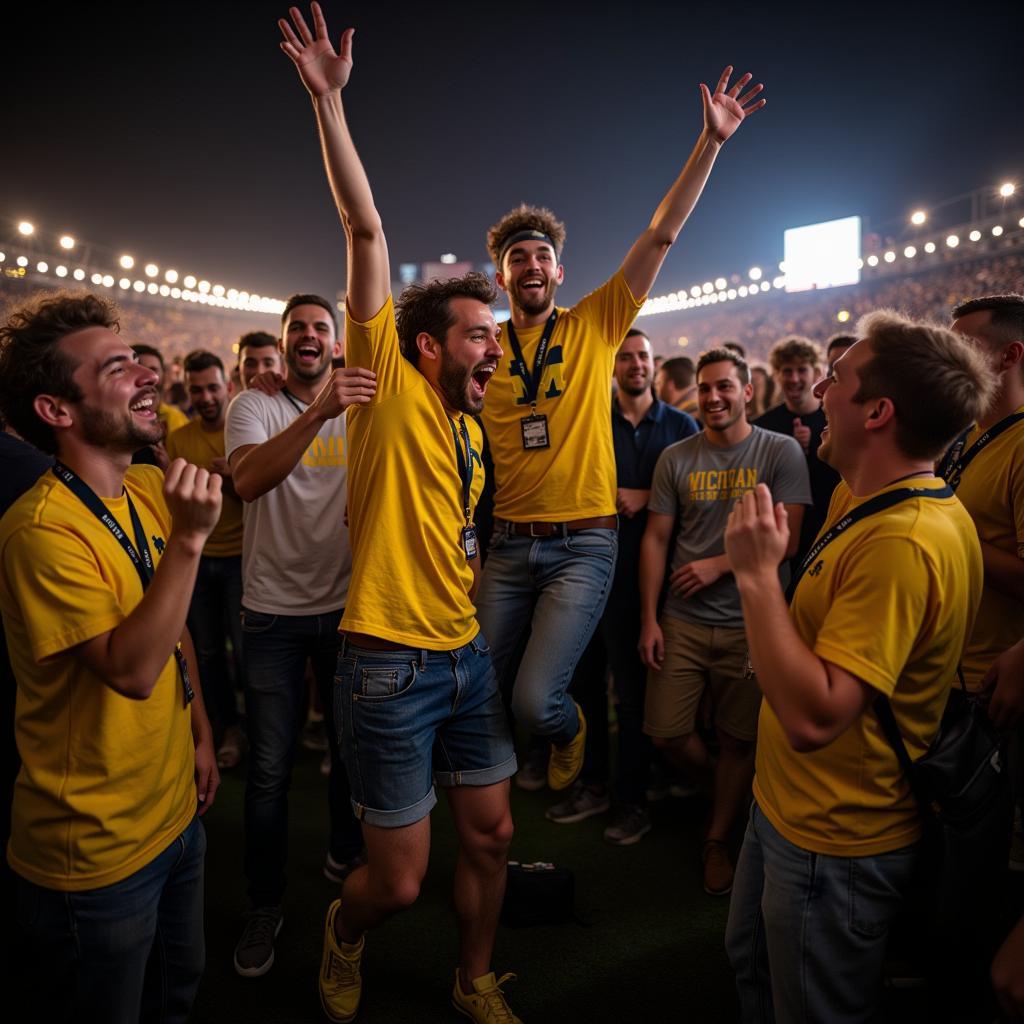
[(636, 454)]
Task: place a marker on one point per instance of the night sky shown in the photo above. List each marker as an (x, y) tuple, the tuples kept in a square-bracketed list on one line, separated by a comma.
[(180, 133)]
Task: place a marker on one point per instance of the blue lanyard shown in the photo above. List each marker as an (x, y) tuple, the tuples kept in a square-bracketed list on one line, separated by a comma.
[(464, 460), (532, 381)]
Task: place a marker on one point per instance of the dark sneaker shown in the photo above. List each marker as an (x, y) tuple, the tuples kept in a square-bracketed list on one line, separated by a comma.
[(254, 954), (485, 1004), (580, 803), (338, 871), (533, 770), (628, 826), (718, 867)]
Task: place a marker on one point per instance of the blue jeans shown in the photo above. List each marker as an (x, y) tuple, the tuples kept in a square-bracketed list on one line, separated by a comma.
[(128, 952), (409, 717), (807, 932), (213, 617), (275, 649), (555, 588)]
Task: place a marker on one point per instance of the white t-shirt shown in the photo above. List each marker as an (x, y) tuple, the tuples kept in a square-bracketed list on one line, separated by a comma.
[(296, 558)]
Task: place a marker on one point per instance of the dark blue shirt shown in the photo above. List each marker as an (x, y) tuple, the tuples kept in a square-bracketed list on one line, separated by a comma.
[(636, 454)]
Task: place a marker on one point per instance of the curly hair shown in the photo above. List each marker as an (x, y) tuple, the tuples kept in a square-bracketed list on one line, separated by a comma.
[(937, 380), (794, 349), (32, 362), (525, 218), (426, 309)]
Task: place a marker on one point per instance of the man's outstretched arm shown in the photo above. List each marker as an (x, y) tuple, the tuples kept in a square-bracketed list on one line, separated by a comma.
[(325, 74), (724, 111)]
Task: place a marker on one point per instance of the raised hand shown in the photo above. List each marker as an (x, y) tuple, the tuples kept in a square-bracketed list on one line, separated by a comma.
[(321, 69), (724, 111), (194, 499)]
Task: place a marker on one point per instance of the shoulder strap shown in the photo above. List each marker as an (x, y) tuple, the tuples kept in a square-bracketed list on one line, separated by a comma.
[(954, 463)]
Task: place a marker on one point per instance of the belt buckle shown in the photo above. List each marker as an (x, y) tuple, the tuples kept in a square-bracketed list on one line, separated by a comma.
[(533, 530)]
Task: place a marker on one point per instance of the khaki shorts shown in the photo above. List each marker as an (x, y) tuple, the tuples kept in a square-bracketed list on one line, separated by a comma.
[(697, 657)]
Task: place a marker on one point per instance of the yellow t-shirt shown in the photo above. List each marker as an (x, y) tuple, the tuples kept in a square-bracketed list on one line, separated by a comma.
[(575, 477), (106, 782), (892, 601), (410, 577), (171, 417), (992, 490), (201, 447)]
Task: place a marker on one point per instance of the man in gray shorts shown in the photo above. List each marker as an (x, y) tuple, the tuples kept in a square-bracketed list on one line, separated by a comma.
[(698, 641)]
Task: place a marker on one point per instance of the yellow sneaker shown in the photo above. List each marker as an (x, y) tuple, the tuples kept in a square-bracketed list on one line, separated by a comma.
[(486, 1003), (340, 982), (566, 761)]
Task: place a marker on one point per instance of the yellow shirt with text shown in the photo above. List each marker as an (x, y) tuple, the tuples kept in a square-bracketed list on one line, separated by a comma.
[(891, 601), (200, 447), (575, 477), (106, 782), (992, 490), (410, 576)]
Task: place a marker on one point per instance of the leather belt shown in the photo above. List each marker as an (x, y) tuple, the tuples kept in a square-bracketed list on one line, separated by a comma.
[(375, 643), (557, 529)]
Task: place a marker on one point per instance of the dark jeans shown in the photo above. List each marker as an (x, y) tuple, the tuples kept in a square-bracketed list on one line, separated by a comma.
[(275, 649), (128, 952), (213, 617)]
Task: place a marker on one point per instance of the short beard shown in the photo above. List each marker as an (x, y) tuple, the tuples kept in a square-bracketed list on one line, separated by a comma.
[(453, 380), (531, 306), (635, 389), (105, 430)]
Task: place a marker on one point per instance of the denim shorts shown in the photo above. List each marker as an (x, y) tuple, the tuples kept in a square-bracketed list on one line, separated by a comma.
[(406, 719)]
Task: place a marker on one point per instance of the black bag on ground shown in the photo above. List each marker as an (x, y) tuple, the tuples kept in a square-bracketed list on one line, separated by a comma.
[(538, 894)]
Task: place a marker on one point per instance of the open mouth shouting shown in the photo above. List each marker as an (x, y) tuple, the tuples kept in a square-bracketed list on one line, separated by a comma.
[(144, 406), (308, 354), (480, 378)]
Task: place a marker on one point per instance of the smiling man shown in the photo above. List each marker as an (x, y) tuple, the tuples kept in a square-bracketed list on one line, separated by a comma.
[(97, 562), (417, 700), (216, 608), (796, 364), (552, 556), (288, 458), (698, 643)]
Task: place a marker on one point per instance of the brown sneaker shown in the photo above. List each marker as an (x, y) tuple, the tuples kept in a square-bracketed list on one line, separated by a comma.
[(718, 867)]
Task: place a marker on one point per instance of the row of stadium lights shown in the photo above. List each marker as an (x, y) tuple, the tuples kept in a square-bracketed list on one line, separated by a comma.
[(192, 290), (713, 292)]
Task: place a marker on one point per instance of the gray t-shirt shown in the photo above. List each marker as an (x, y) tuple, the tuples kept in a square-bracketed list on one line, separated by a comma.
[(295, 554), (698, 483)]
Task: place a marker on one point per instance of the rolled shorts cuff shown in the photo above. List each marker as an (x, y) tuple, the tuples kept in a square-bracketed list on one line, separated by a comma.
[(398, 818), (479, 776)]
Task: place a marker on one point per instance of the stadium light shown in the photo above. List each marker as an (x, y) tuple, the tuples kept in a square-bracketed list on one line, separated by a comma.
[(171, 276), (218, 290), (67, 242), (61, 271), (872, 260), (139, 286), (952, 241), (108, 280), (190, 282), (890, 257), (449, 257), (975, 236), (754, 273), (22, 261), (3, 256), (79, 274), (42, 267), (26, 228), (910, 252), (125, 283), (720, 283), (918, 217), (1007, 189), (204, 287), (127, 262), (843, 315), (929, 247), (997, 230), (152, 270)]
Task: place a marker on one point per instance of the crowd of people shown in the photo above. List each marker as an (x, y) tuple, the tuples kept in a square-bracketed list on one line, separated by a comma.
[(753, 577)]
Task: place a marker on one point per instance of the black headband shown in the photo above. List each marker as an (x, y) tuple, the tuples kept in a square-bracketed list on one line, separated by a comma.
[(527, 235)]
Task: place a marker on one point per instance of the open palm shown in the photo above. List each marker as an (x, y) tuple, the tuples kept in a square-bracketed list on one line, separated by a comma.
[(320, 68), (725, 110)]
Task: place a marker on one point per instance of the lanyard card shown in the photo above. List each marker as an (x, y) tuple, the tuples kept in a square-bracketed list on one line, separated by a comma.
[(469, 542), (535, 432)]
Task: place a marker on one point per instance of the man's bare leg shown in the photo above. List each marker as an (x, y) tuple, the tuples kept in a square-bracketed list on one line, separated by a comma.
[(483, 821), (390, 881)]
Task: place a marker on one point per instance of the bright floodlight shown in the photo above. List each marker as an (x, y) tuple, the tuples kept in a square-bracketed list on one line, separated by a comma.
[(151, 270), (26, 228), (918, 217), (695, 291), (720, 283), (79, 274), (67, 242), (707, 288), (1007, 189), (171, 276), (127, 262), (42, 267), (204, 286), (872, 260), (449, 257), (190, 281), (61, 271), (125, 283), (754, 273), (108, 281), (975, 236), (890, 257), (910, 252), (822, 255), (139, 286), (843, 315), (997, 230), (929, 247), (22, 261), (218, 290), (952, 241)]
